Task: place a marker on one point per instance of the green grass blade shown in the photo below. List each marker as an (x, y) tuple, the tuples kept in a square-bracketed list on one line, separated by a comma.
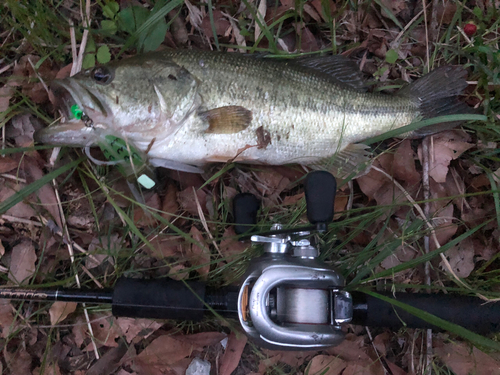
[(420, 124)]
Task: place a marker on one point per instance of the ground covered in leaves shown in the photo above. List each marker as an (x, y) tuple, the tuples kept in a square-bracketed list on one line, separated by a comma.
[(65, 222)]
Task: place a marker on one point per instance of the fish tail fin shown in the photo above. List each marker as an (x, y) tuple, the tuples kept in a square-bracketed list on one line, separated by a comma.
[(437, 95)]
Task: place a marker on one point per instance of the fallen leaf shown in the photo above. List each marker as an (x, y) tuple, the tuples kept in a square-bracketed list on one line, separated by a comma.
[(18, 362), (6, 93), (404, 164), (132, 328), (444, 147), (230, 247), (6, 318), (169, 202), (21, 210), (60, 311), (48, 369), (463, 361), (199, 255), (22, 264), (141, 215), (461, 258), (188, 203), (7, 164), (45, 193), (105, 330), (199, 340), (158, 356), (232, 354), (109, 362), (326, 365)]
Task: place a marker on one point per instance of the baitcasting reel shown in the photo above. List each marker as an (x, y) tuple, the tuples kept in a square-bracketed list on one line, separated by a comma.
[(288, 298)]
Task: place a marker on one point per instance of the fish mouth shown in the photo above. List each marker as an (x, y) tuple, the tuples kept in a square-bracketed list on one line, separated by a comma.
[(75, 101), (81, 108)]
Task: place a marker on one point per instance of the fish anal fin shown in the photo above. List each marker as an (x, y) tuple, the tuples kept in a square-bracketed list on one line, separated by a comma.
[(353, 161), (227, 120)]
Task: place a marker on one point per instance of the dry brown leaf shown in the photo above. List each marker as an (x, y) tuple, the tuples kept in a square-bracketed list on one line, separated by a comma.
[(50, 369), (6, 318), (364, 369), (188, 203), (21, 210), (7, 164), (142, 217), (463, 361), (158, 356), (22, 264), (326, 365), (199, 255), (396, 370), (18, 362), (404, 164), (461, 258), (6, 93), (352, 349), (232, 355), (264, 364), (291, 200), (199, 340), (221, 24), (45, 194), (60, 311), (230, 247), (106, 331), (22, 128), (132, 328), (109, 362), (444, 226), (445, 147), (169, 205)]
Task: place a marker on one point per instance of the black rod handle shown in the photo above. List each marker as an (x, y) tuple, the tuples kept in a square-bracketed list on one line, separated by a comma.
[(469, 312)]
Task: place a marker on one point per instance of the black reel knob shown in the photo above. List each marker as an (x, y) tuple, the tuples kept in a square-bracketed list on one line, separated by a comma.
[(320, 188), (245, 207)]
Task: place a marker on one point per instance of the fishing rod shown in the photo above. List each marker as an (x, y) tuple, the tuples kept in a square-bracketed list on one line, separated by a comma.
[(288, 298)]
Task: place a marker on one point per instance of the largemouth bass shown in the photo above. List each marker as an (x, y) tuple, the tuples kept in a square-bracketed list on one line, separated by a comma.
[(187, 108)]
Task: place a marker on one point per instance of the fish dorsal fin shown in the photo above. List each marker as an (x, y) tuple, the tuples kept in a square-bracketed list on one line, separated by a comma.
[(227, 120), (337, 67)]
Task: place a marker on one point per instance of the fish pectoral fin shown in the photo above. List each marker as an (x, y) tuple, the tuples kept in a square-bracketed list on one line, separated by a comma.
[(175, 165), (227, 120), (353, 161)]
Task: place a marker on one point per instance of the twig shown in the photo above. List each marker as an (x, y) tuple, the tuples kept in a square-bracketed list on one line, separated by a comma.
[(426, 186), (426, 35), (11, 177)]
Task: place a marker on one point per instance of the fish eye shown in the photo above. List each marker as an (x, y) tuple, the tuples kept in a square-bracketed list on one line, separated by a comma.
[(102, 75)]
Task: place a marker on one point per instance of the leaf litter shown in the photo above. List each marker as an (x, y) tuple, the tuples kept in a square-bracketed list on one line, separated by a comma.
[(373, 36)]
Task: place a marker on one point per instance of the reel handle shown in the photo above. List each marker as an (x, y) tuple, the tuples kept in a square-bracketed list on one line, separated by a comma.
[(320, 189), (245, 207)]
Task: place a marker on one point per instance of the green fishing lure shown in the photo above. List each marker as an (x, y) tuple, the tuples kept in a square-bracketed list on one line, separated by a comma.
[(129, 160)]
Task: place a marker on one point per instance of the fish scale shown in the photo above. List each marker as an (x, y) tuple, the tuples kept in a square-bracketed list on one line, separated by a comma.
[(188, 108)]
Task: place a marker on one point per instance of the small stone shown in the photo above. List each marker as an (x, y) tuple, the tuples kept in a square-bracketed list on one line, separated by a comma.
[(198, 367)]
